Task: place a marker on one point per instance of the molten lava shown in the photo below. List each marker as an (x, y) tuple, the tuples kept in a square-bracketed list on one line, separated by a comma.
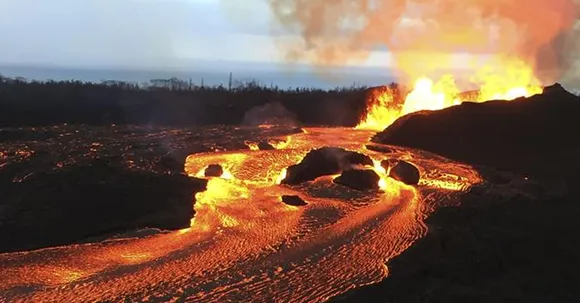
[(514, 80), (244, 243)]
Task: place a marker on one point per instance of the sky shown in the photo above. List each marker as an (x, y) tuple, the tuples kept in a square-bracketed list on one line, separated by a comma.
[(185, 35), (139, 33)]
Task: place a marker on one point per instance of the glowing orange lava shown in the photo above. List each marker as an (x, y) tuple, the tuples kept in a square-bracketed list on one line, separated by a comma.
[(252, 145), (244, 243), (515, 79)]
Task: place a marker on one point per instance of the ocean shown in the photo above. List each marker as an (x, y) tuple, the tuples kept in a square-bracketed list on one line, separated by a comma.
[(283, 78)]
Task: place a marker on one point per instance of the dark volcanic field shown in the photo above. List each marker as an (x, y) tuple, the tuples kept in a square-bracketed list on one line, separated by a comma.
[(62, 184), (505, 243), (496, 247)]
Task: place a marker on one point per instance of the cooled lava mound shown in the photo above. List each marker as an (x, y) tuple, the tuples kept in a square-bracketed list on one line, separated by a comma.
[(535, 135), (322, 162), (402, 171), (359, 179), (293, 200)]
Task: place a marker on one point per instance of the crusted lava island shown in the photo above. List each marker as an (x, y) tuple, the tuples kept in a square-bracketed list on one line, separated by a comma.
[(303, 199)]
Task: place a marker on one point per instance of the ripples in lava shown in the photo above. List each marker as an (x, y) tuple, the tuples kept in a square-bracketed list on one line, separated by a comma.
[(244, 243)]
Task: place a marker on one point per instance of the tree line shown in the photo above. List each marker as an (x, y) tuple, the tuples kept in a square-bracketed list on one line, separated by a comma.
[(167, 102)]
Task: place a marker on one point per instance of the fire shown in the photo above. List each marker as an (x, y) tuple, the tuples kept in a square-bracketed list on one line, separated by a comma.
[(509, 80), (382, 110), (427, 95)]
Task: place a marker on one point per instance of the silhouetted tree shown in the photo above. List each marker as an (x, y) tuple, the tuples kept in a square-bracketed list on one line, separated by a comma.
[(166, 101)]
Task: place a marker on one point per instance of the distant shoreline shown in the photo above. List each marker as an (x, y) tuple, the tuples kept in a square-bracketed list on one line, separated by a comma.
[(290, 77)]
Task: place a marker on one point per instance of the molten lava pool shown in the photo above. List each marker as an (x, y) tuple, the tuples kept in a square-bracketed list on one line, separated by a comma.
[(244, 243)]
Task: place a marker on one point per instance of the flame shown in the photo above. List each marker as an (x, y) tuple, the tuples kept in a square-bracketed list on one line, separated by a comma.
[(506, 79), (427, 95), (381, 110)]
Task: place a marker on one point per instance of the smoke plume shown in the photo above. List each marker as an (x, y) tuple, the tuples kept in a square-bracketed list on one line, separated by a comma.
[(425, 36)]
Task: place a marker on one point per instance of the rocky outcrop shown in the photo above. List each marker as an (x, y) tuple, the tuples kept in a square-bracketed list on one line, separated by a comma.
[(402, 171), (322, 162), (293, 200), (363, 179), (379, 148), (213, 170), (81, 201)]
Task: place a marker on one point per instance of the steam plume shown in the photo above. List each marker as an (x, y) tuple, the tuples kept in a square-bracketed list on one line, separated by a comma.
[(422, 34)]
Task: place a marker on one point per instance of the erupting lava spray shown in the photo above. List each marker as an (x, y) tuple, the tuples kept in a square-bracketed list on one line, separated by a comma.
[(503, 48)]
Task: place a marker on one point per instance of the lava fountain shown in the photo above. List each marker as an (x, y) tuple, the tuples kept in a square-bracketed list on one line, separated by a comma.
[(385, 105)]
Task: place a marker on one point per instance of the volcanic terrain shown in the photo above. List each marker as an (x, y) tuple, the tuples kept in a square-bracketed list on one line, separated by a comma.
[(261, 214)]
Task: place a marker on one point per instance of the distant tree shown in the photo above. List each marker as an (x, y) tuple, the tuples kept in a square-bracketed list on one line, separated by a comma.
[(24, 102)]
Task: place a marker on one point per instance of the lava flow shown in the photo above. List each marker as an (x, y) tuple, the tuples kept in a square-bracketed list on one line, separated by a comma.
[(244, 243)]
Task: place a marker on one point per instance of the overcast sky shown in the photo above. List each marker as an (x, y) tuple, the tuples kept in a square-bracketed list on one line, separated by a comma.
[(136, 33), (132, 32)]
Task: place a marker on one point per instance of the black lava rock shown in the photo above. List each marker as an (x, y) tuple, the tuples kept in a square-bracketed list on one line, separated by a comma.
[(359, 179), (322, 162), (93, 199), (265, 146), (213, 170), (171, 164), (293, 200), (403, 171), (379, 148)]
